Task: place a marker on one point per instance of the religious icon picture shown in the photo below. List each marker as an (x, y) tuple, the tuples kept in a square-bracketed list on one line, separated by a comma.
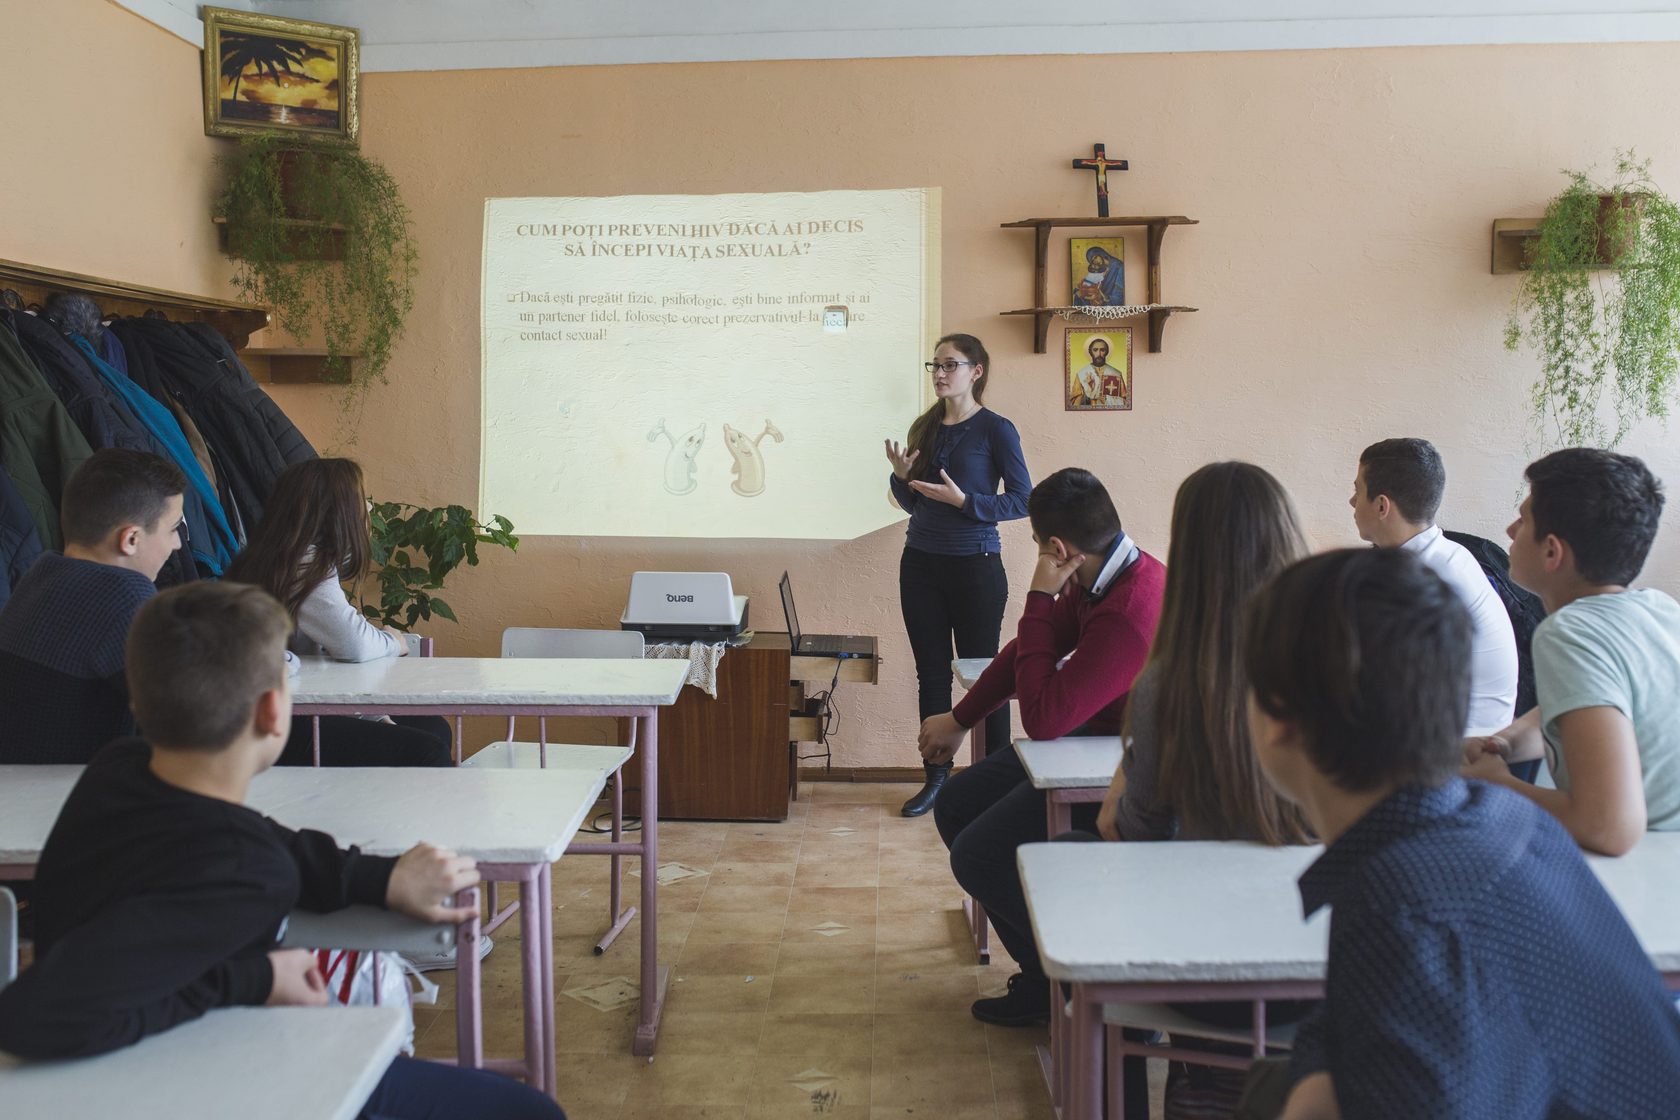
[(270, 74), (1098, 271), (1099, 370)]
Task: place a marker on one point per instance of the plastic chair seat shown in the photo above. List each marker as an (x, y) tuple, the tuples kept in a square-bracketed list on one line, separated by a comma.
[(570, 756), (1161, 1017)]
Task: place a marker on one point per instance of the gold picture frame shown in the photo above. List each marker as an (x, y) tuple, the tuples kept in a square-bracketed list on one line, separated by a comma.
[(1097, 362), (269, 74)]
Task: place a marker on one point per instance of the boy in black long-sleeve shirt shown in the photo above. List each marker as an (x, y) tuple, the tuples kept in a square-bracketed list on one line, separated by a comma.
[(160, 896)]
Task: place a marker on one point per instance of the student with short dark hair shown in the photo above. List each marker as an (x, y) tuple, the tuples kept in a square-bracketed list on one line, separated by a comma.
[(1094, 600), (62, 693), (159, 896), (1397, 491), (1477, 968), (1606, 658)]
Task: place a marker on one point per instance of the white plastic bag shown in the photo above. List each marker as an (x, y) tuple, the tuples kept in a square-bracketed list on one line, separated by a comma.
[(358, 979)]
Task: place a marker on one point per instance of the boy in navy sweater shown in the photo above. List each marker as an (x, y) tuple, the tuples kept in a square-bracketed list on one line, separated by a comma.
[(1477, 967), (160, 896)]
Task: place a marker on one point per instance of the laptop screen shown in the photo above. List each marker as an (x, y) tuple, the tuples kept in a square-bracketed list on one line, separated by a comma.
[(787, 610)]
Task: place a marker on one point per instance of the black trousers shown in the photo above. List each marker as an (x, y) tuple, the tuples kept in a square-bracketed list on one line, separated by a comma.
[(953, 600), (416, 1090), (983, 814), (348, 741)]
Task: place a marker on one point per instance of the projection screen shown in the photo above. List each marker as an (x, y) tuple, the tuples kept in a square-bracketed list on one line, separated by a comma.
[(703, 365)]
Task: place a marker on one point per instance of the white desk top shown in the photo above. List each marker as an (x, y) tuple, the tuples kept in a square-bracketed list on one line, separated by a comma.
[(256, 1063), (1072, 763), (968, 669), (509, 681), (1196, 911), (495, 816)]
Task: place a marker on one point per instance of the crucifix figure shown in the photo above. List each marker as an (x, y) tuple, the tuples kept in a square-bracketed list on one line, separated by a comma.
[(1100, 163)]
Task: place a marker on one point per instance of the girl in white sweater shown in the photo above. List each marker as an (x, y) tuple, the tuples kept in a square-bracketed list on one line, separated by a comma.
[(314, 536)]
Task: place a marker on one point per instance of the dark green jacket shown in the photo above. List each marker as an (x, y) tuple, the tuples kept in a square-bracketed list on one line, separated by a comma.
[(39, 445)]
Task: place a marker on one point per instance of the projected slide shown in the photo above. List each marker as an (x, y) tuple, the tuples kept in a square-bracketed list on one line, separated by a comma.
[(703, 365)]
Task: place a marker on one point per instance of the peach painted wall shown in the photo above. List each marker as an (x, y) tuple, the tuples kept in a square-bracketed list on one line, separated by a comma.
[(1341, 262), (104, 165)]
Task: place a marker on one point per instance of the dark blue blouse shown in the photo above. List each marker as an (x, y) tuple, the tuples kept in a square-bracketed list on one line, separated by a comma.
[(1479, 971), (978, 454)]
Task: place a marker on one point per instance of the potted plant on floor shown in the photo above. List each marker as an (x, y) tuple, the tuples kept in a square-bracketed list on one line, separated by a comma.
[(1600, 305), (414, 551), (323, 237)]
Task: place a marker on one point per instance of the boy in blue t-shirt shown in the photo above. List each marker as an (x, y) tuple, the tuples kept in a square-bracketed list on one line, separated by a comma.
[(1477, 967), (1606, 658)]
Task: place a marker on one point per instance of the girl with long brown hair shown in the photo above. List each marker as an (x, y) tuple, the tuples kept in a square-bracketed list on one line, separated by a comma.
[(313, 538), (1189, 771), (951, 583)]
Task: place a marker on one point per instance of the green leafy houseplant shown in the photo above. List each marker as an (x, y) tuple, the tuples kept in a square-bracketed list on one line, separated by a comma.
[(1600, 305), (415, 549), (323, 237)]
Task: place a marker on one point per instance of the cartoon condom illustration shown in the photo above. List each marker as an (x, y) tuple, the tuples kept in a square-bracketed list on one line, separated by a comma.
[(749, 463), (679, 460)]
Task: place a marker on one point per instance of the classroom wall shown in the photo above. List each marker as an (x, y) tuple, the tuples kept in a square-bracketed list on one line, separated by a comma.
[(104, 166), (1341, 263)]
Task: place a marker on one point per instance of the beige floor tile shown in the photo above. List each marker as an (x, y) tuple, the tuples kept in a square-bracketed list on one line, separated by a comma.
[(818, 1084), (759, 851), (900, 960), (734, 1033), (955, 1086), (699, 992), (730, 925), (592, 1084), (830, 929), (745, 898), (812, 959), (837, 874), (903, 993), (832, 901), (935, 1034), (728, 959), (920, 900), (845, 1034), (821, 995), (685, 1112), (928, 929), (674, 1080), (732, 874)]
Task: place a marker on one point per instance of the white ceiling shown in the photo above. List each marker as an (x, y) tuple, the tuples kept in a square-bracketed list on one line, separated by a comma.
[(484, 34)]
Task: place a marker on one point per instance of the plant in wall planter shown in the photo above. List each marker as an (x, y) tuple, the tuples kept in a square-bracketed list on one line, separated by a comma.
[(415, 549), (1600, 305), (323, 237)]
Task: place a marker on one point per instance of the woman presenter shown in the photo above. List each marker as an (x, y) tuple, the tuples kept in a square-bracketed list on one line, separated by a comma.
[(951, 583)]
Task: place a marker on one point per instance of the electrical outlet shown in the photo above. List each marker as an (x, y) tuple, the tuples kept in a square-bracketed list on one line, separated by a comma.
[(834, 318)]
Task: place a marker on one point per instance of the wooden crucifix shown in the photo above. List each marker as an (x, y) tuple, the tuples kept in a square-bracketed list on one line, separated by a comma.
[(1100, 163)]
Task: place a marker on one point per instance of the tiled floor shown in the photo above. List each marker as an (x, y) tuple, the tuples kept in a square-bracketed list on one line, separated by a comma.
[(820, 967)]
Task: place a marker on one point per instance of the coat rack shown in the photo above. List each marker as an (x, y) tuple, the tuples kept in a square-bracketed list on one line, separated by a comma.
[(232, 320)]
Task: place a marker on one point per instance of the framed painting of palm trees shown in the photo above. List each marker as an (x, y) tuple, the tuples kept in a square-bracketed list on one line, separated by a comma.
[(272, 74)]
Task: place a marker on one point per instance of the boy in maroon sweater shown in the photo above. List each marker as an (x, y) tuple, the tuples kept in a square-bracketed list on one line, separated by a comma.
[(1095, 599)]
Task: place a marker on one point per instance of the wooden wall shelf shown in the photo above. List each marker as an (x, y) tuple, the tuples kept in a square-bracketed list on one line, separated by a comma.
[(232, 320), (293, 365), (1041, 311), (296, 242)]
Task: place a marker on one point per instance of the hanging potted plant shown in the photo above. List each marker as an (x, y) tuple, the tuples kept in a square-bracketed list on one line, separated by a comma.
[(323, 237), (1600, 305)]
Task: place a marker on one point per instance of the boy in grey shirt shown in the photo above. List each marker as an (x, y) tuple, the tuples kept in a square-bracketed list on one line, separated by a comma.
[(1606, 659)]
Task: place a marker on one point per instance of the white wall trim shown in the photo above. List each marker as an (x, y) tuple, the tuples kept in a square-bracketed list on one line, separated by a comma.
[(447, 49)]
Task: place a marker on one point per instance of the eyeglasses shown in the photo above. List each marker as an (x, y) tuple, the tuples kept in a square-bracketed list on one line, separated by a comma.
[(944, 367)]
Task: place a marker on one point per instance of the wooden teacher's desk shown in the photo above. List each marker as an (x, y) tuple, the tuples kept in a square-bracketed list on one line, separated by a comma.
[(729, 758)]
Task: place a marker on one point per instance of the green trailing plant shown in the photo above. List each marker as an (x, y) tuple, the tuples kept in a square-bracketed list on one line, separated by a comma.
[(415, 549), (1600, 305), (323, 237)]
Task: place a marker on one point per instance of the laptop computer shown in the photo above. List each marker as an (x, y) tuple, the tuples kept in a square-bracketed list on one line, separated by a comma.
[(819, 645)]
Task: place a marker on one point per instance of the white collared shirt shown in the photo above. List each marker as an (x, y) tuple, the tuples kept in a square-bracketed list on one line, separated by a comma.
[(1493, 645), (1124, 554)]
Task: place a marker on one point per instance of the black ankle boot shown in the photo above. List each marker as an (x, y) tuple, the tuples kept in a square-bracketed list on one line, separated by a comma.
[(923, 801)]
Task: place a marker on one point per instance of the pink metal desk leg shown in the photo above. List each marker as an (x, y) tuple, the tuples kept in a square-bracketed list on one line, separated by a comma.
[(459, 747), (530, 967), (469, 1037), (1085, 1054), (316, 724), (653, 977), (617, 915), (545, 904)]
